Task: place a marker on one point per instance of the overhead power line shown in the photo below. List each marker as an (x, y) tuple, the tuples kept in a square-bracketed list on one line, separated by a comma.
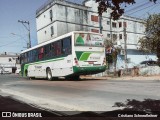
[(139, 6), (142, 9), (28, 29)]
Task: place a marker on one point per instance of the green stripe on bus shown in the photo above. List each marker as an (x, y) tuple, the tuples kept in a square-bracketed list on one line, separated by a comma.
[(45, 61), (27, 65), (84, 56), (78, 54)]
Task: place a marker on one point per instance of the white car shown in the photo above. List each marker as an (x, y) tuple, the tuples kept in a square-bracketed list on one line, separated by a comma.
[(18, 71), (148, 63)]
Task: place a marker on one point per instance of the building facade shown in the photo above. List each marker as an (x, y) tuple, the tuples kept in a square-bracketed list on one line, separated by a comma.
[(9, 63), (58, 17)]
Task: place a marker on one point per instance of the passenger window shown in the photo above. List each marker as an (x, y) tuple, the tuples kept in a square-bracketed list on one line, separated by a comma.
[(57, 48), (41, 53), (47, 51), (66, 46)]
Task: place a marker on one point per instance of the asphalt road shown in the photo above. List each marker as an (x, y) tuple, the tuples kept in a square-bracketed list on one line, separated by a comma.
[(83, 95)]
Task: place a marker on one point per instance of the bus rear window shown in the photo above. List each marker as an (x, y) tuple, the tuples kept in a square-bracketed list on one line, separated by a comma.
[(88, 39)]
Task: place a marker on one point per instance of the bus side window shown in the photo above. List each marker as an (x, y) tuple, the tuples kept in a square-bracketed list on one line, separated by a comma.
[(47, 51), (30, 56), (21, 58), (57, 48), (67, 46), (53, 49), (25, 57), (34, 55), (41, 53)]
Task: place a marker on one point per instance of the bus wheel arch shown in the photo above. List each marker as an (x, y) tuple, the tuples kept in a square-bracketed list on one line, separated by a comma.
[(48, 73), (26, 73)]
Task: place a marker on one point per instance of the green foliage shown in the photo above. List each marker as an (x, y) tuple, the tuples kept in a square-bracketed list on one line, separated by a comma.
[(151, 42), (112, 57), (109, 58), (115, 52), (117, 11)]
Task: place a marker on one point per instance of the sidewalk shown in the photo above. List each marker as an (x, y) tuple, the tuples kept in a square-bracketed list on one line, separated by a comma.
[(155, 77)]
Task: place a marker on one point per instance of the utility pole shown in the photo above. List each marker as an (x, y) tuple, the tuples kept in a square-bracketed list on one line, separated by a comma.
[(28, 29), (110, 23), (100, 23), (125, 46)]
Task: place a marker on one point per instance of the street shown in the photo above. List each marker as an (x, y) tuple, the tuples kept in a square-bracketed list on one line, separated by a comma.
[(82, 95)]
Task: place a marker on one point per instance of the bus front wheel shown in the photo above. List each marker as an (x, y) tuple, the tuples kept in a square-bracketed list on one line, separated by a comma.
[(49, 74)]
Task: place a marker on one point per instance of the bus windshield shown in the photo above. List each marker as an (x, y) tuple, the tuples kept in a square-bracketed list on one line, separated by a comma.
[(88, 39)]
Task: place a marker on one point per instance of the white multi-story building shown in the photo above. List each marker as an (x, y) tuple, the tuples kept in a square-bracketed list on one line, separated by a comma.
[(9, 63), (58, 17)]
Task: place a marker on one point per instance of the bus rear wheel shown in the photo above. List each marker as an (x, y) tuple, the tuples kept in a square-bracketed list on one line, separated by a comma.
[(49, 74), (77, 77)]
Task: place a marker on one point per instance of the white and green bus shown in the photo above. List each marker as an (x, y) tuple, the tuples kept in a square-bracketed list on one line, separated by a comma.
[(70, 55)]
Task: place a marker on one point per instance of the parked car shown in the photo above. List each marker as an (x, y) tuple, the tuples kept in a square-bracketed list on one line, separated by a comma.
[(18, 71), (148, 63)]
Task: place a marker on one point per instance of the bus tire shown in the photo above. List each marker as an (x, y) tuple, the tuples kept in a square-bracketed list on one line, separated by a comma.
[(26, 73), (32, 78), (77, 77), (49, 74)]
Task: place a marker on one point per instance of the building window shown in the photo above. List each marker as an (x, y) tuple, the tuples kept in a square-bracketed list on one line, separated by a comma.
[(108, 22), (120, 24), (52, 31), (120, 36), (108, 35), (114, 37), (124, 24), (114, 25), (51, 15), (95, 30), (10, 60), (94, 18)]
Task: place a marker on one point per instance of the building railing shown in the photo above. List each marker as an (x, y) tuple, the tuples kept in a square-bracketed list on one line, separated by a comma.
[(50, 2)]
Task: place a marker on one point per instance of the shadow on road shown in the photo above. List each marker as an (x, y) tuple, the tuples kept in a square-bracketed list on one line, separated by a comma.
[(130, 107), (148, 105), (63, 79), (149, 109)]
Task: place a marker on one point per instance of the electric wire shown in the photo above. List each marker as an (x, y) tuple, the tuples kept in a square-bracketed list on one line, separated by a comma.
[(136, 7), (149, 11), (143, 8)]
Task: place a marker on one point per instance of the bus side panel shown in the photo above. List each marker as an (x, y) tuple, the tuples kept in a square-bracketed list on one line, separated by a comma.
[(62, 67), (59, 67)]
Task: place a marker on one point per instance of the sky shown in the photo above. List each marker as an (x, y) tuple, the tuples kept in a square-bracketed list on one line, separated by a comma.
[(14, 36)]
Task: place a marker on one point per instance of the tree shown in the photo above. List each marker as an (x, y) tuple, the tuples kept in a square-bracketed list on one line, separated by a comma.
[(151, 42), (113, 54), (115, 5)]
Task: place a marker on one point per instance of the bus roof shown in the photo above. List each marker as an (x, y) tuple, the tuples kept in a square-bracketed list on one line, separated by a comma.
[(57, 38)]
